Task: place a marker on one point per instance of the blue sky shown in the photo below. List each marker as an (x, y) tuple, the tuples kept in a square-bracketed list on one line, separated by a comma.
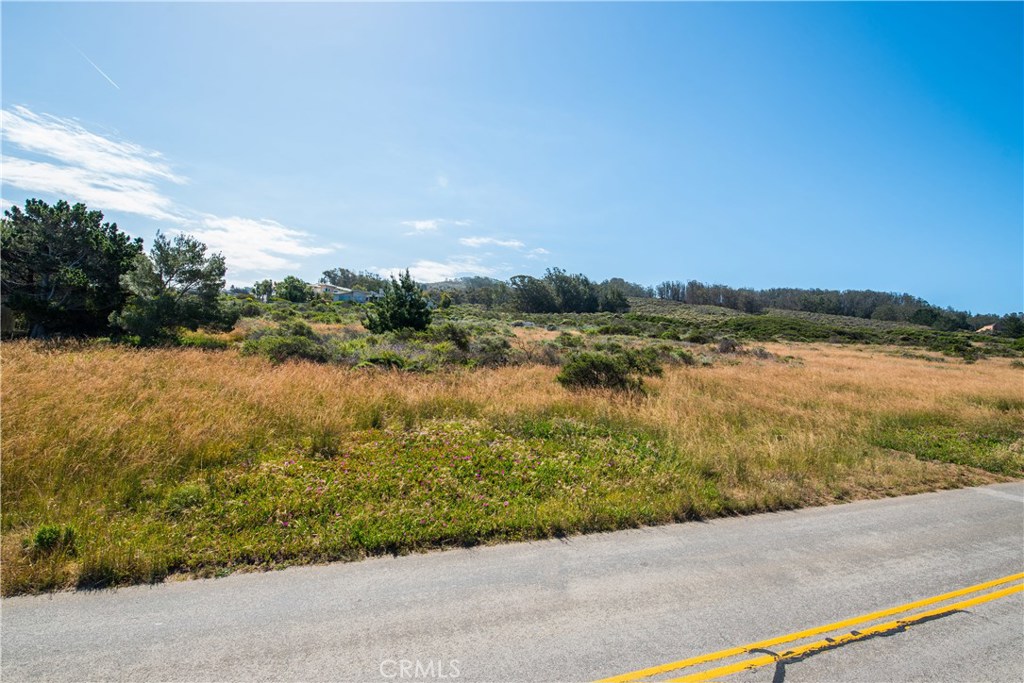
[(846, 146)]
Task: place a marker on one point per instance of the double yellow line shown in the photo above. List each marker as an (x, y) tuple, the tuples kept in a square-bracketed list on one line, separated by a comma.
[(827, 643)]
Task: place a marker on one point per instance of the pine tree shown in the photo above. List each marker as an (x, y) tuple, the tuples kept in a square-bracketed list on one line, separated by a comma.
[(403, 306)]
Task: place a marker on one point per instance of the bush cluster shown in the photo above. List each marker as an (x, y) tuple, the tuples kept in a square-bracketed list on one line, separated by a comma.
[(621, 370)]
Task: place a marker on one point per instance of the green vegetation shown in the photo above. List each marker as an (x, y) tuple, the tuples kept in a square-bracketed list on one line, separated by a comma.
[(650, 322), (403, 306), (292, 289), (864, 304), (181, 460), (995, 446), (66, 273), (61, 267), (621, 370), (176, 286), (267, 427), (50, 538)]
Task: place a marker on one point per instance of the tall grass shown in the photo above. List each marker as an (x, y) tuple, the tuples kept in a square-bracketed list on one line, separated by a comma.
[(185, 460)]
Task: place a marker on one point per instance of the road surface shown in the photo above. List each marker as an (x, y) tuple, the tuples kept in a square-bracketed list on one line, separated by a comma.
[(585, 608)]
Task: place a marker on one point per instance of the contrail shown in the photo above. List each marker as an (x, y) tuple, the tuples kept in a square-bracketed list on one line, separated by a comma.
[(109, 79)]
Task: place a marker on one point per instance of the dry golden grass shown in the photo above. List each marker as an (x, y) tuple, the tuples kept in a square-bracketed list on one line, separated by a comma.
[(534, 334), (81, 421)]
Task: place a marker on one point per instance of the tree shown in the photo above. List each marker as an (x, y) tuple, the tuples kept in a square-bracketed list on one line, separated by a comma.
[(614, 301), (343, 277), (402, 306), (531, 295), (61, 267), (627, 288), (573, 293), (486, 291), (263, 290), (673, 290), (293, 289), (1011, 325), (177, 285)]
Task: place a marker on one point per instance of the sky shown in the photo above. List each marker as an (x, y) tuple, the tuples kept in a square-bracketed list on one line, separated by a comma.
[(838, 146)]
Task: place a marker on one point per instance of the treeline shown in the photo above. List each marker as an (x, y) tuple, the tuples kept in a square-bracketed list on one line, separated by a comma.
[(365, 280), (869, 304), (556, 292), (560, 292)]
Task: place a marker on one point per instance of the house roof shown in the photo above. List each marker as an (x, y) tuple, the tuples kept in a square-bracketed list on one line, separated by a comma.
[(325, 287)]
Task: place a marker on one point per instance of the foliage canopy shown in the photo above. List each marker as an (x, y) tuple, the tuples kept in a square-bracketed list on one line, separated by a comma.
[(402, 306), (177, 285), (61, 267)]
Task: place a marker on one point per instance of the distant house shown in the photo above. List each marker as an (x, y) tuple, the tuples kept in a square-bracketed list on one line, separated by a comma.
[(321, 288), (336, 293)]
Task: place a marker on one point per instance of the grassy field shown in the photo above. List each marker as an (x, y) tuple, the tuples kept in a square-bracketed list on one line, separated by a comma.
[(122, 466)]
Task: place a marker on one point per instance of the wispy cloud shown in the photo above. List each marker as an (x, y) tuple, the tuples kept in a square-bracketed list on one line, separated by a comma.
[(255, 245), (67, 141), (115, 175), (437, 271), (442, 181), (97, 170), (537, 253), (420, 227), (98, 190), (482, 241), (429, 225)]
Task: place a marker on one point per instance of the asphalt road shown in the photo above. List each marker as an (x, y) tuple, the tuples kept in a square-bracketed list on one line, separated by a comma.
[(581, 609)]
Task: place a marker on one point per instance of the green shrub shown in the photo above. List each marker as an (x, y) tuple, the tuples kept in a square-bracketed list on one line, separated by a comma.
[(250, 309), (402, 306), (957, 347), (297, 328), (609, 347), (456, 334), (492, 351), (684, 356), (620, 372), (51, 537), (384, 359), (569, 341), (643, 361), (546, 354), (282, 314), (47, 537), (619, 329), (279, 349)]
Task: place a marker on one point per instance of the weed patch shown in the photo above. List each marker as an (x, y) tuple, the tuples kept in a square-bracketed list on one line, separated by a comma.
[(993, 446)]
